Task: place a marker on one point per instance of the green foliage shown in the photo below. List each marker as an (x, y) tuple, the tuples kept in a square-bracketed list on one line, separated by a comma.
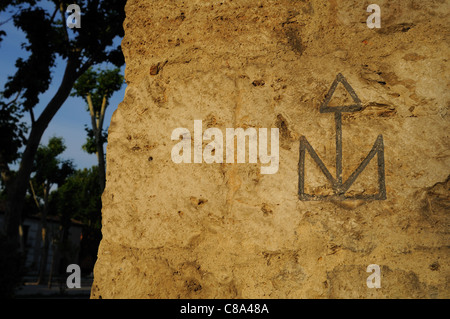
[(5, 3), (79, 196), (33, 75), (90, 146), (98, 84), (48, 37), (101, 22), (48, 40), (48, 167), (12, 132)]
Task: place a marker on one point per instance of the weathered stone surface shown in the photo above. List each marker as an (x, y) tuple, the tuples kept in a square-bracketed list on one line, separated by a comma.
[(228, 231)]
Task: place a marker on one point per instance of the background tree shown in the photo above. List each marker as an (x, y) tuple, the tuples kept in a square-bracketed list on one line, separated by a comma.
[(96, 88), (3, 5), (80, 198), (47, 38), (49, 170), (12, 138)]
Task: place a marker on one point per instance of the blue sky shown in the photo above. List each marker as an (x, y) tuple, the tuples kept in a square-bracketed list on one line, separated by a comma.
[(70, 121)]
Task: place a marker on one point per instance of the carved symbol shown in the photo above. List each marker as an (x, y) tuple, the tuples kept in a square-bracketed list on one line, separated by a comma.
[(340, 187)]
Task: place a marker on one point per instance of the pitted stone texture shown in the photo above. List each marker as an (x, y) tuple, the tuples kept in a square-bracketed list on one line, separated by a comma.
[(228, 231)]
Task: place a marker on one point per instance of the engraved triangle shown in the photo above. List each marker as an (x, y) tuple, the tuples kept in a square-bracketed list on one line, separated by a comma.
[(356, 106)]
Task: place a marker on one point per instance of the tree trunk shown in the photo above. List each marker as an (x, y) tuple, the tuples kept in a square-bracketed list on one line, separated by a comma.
[(37, 243), (19, 186), (53, 264), (45, 237), (97, 127), (44, 254), (101, 160)]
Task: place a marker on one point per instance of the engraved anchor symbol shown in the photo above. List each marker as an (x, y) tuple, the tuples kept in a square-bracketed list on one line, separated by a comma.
[(340, 187)]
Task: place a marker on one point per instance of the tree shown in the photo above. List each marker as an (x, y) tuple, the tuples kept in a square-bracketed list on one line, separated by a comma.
[(3, 6), (80, 198), (47, 38), (96, 88), (49, 170), (12, 138)]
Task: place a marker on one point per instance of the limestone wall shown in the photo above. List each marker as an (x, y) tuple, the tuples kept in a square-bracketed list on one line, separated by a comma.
[(226, 230)]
